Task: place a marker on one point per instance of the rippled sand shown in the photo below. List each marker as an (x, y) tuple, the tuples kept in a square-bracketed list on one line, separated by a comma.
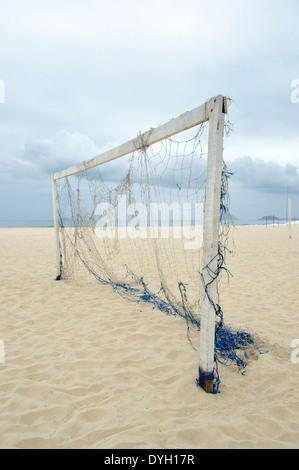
[(86, 369)]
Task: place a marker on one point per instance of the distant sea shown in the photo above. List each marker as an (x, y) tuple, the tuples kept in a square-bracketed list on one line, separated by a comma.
[(49, 223), (26, 223)]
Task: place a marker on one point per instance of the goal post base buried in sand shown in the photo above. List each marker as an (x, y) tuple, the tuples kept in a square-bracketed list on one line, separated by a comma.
[(206, 381)]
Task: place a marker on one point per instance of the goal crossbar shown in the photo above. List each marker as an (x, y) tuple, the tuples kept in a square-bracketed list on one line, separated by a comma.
[(183, 122)]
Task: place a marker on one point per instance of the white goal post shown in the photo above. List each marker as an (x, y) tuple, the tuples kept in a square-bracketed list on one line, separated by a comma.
[(214, 111)]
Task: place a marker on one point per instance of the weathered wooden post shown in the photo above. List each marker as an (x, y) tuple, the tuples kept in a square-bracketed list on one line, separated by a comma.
[(211, 227), (56, 227)]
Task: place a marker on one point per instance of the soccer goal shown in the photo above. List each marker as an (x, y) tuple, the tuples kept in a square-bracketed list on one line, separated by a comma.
[(147, 218)]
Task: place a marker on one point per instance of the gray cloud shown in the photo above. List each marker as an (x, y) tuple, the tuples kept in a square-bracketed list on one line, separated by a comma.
[(264, 176), (63, 150)]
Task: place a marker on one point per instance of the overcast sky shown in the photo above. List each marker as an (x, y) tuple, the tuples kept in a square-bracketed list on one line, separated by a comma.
[(77, 77)]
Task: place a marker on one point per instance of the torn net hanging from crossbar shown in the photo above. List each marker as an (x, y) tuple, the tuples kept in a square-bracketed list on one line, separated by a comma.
[(136, 224)]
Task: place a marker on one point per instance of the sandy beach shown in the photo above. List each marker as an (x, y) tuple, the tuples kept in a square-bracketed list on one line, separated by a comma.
[(84, 368)]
